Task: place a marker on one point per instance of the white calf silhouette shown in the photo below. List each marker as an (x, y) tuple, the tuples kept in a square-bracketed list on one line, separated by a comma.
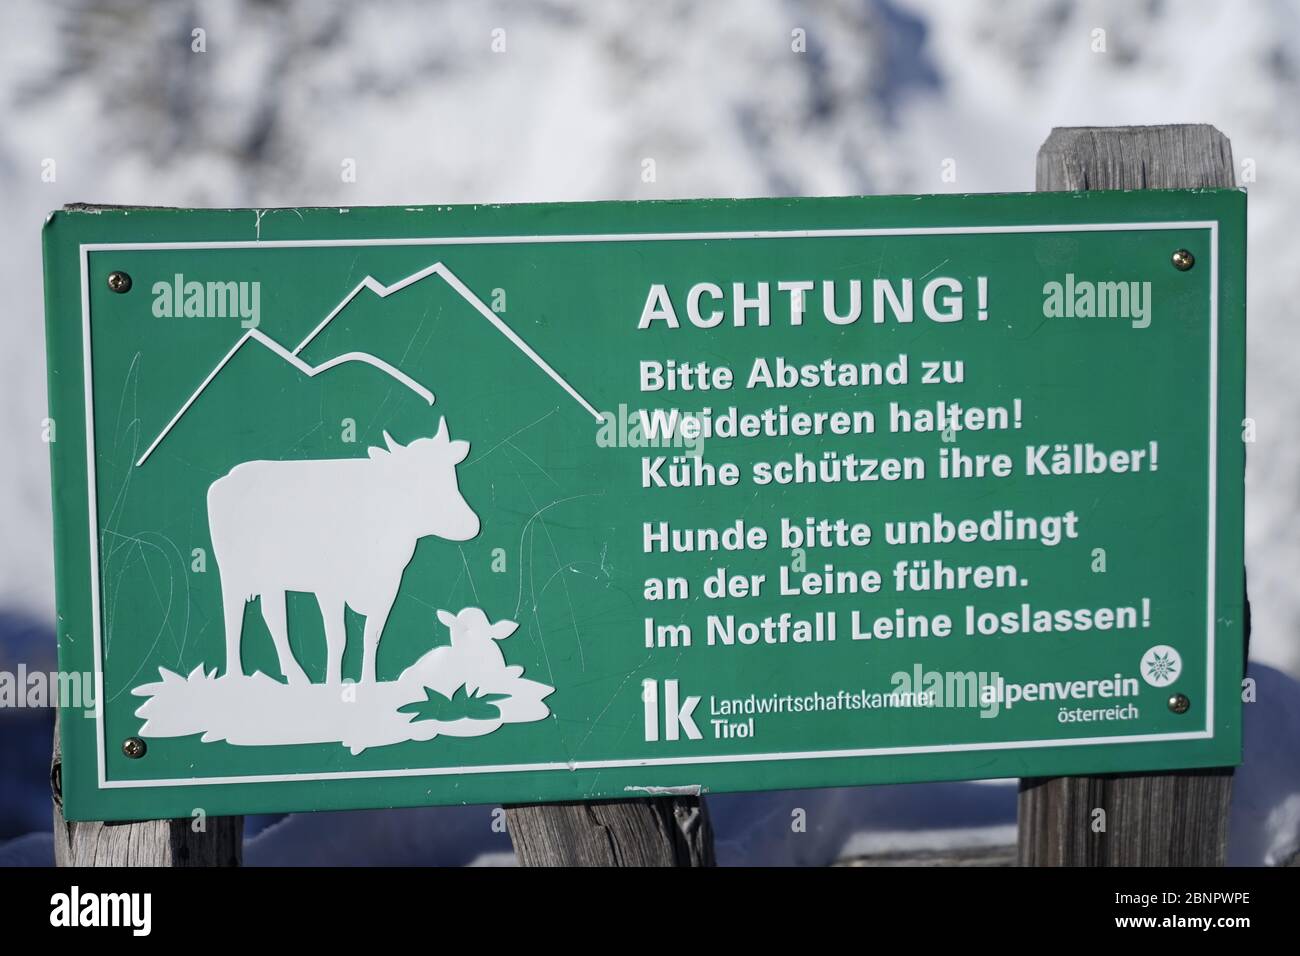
[(473, 653), (342, 529)]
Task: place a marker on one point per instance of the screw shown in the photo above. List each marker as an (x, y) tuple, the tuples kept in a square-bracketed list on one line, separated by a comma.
[(119, 282), (134, 747), (1179, 703), (1182, 260)]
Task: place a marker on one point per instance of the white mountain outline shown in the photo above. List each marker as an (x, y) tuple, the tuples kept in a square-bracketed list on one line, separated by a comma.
[(383, 291)]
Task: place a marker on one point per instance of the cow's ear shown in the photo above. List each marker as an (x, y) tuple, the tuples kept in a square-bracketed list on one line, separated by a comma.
[(459, 449), (447, 618), (503, 629), (374, 452)]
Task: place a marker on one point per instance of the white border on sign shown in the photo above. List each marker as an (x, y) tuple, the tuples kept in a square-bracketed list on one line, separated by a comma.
[(1211, 225)]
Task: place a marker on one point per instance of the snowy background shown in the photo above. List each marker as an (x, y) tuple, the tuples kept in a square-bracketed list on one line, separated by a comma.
[(887, 91)]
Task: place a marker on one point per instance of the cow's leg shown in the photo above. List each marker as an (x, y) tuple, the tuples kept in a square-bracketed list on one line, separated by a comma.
[(336, 637), (232, 605), (273, 612), (375, 622)]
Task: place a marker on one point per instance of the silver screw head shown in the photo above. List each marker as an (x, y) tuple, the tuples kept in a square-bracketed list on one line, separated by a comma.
[(1179, 703), (1182, 260), (119, 282), (134, 747)]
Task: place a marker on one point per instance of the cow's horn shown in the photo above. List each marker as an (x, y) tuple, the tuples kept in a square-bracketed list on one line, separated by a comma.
[(442, 430), (388, 440)]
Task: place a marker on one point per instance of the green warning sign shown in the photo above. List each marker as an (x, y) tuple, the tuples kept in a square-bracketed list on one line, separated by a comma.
[(379, 507)]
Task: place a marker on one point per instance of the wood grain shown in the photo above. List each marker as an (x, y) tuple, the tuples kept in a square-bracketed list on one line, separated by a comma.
[(147, 843), (651, 831)]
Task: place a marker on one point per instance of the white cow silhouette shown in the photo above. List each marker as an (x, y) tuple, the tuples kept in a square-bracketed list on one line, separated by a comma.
[(342, 529)]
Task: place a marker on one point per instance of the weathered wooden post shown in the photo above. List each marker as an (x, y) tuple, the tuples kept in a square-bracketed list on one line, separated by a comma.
[(1151, 819), (654, 831), (146, 843)]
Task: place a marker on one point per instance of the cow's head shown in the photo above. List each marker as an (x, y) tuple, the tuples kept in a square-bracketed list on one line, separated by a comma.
[(472, 626), (427, 466)]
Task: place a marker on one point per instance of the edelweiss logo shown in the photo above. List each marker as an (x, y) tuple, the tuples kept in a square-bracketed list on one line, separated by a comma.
[(1161, 666)]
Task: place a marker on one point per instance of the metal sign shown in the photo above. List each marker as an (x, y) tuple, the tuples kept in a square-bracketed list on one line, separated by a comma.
[(378, 507)]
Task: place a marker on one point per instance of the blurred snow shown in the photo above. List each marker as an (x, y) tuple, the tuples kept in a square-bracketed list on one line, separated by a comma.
[(887, 90), (25, 734), (1265, 824)]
